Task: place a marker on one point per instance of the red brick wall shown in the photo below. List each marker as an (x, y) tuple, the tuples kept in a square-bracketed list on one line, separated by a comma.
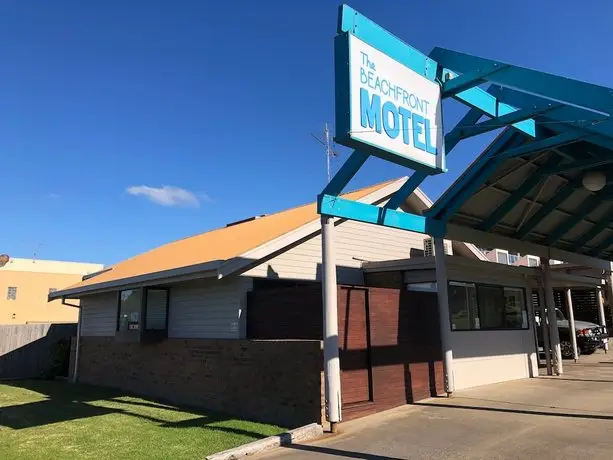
[(272, 381)]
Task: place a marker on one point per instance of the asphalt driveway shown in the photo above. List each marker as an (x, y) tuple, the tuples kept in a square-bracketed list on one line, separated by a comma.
[(565, 417)]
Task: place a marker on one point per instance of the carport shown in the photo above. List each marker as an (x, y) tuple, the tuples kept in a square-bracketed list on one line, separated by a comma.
[(543, 187)]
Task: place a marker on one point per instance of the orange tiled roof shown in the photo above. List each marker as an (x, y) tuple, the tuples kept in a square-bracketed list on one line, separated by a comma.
[(220, 244)]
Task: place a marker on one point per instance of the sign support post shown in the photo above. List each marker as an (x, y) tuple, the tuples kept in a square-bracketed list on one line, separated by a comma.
[(332, 370)]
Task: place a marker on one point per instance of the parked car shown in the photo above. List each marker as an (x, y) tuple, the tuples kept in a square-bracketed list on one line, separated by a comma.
[(590, 336)]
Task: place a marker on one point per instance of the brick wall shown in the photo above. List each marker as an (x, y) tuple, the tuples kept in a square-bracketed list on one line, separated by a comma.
[(271, 381)]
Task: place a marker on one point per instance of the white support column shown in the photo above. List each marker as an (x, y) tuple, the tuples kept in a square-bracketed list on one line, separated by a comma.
[(443, 310), (571, 323), (332, 371), (610, 284), (545, 331), (601, 316), (554, 335), (534, 371)]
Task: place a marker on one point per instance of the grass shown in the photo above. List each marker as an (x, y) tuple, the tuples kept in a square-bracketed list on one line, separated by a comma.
[(54, 419)]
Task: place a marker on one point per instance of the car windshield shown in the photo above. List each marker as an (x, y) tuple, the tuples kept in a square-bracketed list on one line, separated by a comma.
[(560, 315)]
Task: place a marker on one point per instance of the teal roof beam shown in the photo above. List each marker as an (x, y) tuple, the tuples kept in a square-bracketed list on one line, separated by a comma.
[(592, 232), (543, 144), (517, 195), (346, 173), (548, 85), (504, 120), (600, 249), (578, 165), (562, 195), (454, 84), (451, 140), (585, 208)]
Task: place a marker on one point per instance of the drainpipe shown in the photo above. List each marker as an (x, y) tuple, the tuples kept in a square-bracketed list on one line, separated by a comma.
[(443, 310), (571, 323), (554, 335), (332, 372), (75, 370), (603, 321)]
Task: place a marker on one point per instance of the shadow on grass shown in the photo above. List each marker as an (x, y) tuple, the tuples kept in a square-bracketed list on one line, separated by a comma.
[(64, 402)]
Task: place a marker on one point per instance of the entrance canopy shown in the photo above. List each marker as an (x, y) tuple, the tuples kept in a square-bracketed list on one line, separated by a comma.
[(535, 203), (543, 187)]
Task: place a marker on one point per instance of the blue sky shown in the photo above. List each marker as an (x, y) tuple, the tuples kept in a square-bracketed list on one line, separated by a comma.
[(102, 104)]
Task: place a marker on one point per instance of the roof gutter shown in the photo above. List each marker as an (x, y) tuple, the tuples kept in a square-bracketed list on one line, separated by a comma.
[(204, 270)]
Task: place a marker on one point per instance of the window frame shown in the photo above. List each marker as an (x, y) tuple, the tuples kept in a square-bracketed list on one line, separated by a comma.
[(536, 259), (502, 288), (505, 253), (8, 293), (142, 334), (144, 311)]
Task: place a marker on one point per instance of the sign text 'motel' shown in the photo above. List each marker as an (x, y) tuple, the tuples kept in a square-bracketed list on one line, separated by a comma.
[(385, 108)]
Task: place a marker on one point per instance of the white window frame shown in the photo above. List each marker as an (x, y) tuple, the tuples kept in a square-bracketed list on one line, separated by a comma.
[(506, 254), (535, 259)]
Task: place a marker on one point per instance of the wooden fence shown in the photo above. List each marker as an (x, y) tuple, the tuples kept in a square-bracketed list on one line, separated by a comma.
[(35, 350)]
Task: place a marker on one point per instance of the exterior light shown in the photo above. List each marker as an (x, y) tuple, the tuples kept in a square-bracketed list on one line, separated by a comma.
[(594, 181)]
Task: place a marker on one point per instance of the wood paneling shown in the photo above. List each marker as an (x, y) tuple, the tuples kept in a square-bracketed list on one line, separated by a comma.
[(354, 347), (389, 340)]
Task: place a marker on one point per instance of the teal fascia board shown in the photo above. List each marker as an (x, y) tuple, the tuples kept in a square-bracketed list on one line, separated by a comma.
[(371, 214)]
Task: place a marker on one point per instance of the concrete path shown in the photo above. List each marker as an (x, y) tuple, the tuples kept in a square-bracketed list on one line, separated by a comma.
[(567, 417)]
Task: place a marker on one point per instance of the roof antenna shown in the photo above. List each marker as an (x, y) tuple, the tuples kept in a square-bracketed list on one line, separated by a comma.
[(330, 153)]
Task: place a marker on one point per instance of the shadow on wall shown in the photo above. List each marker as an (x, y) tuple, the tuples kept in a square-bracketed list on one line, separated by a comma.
[(64, 402), (35, 350)]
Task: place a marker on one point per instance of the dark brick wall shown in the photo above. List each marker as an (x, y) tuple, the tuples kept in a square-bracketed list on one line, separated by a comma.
[(271, 381)]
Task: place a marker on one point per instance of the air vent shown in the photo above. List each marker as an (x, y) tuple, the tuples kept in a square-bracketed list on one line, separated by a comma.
[(249, 219), (429, 247)]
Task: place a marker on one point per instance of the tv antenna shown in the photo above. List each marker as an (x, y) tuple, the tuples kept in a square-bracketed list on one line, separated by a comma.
[(330, 153)]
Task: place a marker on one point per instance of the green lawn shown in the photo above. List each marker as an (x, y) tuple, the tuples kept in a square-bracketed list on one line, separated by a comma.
[(57, 420)]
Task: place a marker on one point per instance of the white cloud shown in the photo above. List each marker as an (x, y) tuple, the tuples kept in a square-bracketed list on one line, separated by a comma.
[(53, 196), (167, 195)]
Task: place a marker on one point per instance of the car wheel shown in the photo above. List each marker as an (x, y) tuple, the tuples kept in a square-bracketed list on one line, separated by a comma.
[(567, 349)]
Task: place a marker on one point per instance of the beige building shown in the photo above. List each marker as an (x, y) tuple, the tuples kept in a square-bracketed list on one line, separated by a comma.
[(26, 283)]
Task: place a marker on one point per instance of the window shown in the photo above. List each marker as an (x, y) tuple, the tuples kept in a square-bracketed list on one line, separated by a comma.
[(52, 290), (130, 304), (480, 306), (422, 287), (533, 261), (11, 293), (156, 313), (515, 314), (513, 257), (463, 306), (491, 306), (502, 257)]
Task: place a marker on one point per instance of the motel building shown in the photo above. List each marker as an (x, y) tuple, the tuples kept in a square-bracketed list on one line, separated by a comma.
[(371, 299)]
